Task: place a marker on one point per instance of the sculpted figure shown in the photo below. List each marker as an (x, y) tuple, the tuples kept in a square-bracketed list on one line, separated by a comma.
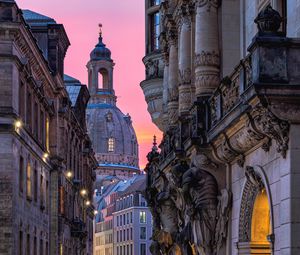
[(167, 213), (200, 191), (222, 219), (184, 237)]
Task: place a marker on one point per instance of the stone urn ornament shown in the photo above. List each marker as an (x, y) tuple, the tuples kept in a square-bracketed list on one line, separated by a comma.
[(268, 20)]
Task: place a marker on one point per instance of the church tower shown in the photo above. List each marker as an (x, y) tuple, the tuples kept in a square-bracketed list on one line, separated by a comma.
[(111, 131)]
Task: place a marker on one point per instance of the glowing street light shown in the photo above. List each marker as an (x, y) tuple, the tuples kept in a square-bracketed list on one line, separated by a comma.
[(69, 174), (87, 203), (95, 212), (18, 124), (83, 192)]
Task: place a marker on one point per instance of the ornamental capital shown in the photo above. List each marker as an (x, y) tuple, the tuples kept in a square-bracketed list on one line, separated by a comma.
[(207, 3)]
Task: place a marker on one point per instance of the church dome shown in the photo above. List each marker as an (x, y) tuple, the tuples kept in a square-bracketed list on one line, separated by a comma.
[(113, 136), (100, 51), (111, 131)]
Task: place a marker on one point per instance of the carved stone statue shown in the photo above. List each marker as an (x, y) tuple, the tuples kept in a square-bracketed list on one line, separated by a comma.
[(201, 191)]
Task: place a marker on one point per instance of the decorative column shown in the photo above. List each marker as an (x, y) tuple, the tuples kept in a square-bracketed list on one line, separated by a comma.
[(165, 55), (207, 58), (173, 79), (184, 76)]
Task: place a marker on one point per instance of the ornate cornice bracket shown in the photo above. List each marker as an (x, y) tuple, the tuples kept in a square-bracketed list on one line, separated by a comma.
[(271, 126)]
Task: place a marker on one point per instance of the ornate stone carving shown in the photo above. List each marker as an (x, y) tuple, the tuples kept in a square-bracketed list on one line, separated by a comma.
[(268, 124), (190, 216), (253, 185), (207, 3), (185, 76), (153, 70), (184, 98), (206, 82), (207, 59), (268, 20)]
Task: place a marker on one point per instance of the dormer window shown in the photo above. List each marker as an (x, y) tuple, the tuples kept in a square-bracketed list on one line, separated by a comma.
[(111, 144)]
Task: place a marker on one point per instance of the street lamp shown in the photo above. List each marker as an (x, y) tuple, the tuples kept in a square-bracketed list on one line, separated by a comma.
[(83, 192)]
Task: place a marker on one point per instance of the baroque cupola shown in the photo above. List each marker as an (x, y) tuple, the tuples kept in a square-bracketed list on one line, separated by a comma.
[(111, 131)]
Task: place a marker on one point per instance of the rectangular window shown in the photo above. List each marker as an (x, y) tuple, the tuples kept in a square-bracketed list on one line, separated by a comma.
[(127, 234), (42, 202), (143, 233), (124, 236), (142, 217), (28, 181), (155, 30), (127, 215), (130, 233), (21, 174), (127, 249), (47, 247), (42, 127), (117, 236), (131, 217), (118, 250), (120, 220), (142, 249), (121, 236), (34, 246), (131, 249), (62, 200), (124, 220), (47, 134), (36, 120), (21, 243), (111, 144), (41, 247), (35, 184), (22, 101), (29, 111), (121, 249), (28, 245), (47, 197)]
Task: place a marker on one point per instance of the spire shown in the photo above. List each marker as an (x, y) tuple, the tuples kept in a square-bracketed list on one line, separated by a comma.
[(154, 148), (100, 29)]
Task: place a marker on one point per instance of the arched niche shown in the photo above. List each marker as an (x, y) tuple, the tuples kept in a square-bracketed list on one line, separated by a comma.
[(256, 233), (103, 79)]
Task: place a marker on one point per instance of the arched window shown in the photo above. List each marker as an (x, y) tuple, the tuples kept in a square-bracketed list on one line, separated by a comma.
[(103, 79), (111, 144), (260, 227)]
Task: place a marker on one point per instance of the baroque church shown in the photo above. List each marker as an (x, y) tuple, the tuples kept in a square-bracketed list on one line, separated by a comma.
[(111, 131), (222, 84)]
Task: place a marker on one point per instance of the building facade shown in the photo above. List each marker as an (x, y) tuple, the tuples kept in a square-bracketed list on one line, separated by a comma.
[(42, 175), (132, 221), (221, 84), (123, 225)]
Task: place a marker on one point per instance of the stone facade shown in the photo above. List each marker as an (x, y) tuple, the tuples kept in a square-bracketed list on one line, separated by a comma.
[(224, 179), (46, 157), (123, 224)]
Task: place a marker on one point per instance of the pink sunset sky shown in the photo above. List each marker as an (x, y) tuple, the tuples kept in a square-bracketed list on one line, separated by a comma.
[(124, 34)]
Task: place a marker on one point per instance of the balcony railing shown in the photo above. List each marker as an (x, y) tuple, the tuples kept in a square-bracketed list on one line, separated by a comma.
[(228, 95)]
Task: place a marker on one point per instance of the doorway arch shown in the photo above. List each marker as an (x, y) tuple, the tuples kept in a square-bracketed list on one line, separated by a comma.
[(256, 233)]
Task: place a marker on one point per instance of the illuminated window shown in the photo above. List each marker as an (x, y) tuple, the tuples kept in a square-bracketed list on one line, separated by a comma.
[(47, 134), (28, 180), (260, 226), (142, 217), (111, 144), (35, 184)]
